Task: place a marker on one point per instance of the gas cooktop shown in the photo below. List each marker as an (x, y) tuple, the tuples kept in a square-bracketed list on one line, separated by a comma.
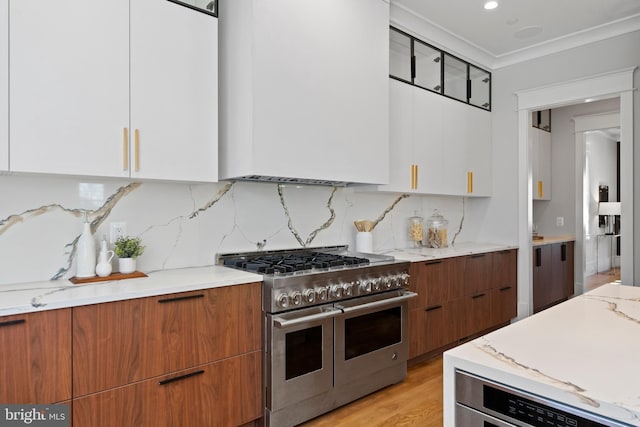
[(301, 260)]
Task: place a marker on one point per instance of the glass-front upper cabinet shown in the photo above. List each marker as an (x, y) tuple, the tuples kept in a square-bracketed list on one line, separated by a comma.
[(455, 77), (420, 64), (541, 120), (479, 87), (428, 66), (400, 55)]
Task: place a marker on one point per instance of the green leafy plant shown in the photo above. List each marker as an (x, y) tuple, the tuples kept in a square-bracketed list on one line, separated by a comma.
[(128, 247)]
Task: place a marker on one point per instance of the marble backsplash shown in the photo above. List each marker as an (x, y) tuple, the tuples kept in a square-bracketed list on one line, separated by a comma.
[(185, 225)]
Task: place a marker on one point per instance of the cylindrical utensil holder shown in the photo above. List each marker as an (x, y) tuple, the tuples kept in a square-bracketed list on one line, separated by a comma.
[(364, 242)]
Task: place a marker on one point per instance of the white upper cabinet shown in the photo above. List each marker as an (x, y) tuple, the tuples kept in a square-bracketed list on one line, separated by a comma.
[(174, 92), (113, 89), (540, 163), (69, 86), (304, 90), (4, 86), (438, 145)]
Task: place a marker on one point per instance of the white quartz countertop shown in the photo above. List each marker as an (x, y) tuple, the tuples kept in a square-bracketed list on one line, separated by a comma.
[(584, 353), (460, 249), (38, 296)]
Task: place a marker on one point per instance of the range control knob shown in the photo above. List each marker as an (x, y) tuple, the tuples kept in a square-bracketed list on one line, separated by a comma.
[(390, 281), (403, 279), (377, 284), (321, 294), (309, 296), (336, 291), (348, 289), (366, 286), (283, 300), (295, 299)]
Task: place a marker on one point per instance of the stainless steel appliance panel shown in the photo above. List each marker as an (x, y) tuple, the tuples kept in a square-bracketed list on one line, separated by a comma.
[(371, 334), (518, 407), (300, 355)]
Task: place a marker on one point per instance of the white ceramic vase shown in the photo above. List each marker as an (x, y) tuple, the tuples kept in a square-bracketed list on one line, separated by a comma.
[(126, 265)]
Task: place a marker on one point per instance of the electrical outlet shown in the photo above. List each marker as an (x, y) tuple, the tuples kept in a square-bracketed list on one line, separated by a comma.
[(117, 229), (560, 221)]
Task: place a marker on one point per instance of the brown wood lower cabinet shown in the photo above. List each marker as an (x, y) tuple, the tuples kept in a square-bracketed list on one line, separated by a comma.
[(220, 394), (459, 298), (553, 274), (35, 357)]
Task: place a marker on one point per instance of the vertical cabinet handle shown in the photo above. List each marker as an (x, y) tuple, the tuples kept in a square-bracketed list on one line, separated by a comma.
[(540, 189), (470, 182), (137, 150), (413, 67), (125, 149), (414, 177), (563, 252), (538, 257)]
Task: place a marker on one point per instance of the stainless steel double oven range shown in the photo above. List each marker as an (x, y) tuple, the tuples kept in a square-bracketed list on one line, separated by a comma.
[(335, 325)]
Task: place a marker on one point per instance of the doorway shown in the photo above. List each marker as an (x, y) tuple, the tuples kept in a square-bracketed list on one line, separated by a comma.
[(604, 86), (600, 200)]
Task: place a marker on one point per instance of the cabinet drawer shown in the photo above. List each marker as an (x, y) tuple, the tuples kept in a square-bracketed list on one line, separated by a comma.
[(126, 341), (35, 360), (504, 304), (478, 313), (224, 393), (430, 280)]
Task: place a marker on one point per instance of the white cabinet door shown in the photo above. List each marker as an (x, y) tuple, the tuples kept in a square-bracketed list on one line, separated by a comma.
[(174, 92), (479, 152), (4, 86), (401, 154), (69, 86), (429, 141), (541, 163), (455, 133)]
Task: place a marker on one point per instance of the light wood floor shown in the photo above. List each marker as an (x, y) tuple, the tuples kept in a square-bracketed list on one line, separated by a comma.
[(417, 401), (600, 279)]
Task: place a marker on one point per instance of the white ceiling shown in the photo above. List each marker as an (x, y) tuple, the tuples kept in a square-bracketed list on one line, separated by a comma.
[(521, 24)]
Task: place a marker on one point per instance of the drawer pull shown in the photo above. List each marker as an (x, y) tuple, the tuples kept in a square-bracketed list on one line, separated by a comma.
[(432, 262), (435, 307), (477, 255), (12, 322), (181, 377), (478, 296), (176, 299), (506, 288)]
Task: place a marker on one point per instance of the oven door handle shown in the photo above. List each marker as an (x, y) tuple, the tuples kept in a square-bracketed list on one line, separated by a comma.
[(405, 296), (282, 323)]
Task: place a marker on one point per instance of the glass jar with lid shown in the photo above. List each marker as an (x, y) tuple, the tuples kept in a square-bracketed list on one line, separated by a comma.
[(436, 231), (416, 230)]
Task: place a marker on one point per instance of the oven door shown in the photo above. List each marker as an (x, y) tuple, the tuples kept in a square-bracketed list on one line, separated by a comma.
[(370, 335), (299, 359)]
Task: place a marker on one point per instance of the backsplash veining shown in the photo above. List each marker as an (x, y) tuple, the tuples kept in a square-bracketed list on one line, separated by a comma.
[(185, 225)]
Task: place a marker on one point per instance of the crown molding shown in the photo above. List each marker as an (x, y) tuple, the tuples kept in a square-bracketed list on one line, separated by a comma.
[(432, 33)]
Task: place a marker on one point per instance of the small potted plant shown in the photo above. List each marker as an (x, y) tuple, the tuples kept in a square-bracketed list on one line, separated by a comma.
[(127, 249)]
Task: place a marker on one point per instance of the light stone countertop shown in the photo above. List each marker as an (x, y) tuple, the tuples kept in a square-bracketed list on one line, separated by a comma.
[(460, 249), (39, 296), (584, 353), (547, 240)]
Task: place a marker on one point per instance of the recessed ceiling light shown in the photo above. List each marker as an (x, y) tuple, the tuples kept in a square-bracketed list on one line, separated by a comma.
[(490, 5)]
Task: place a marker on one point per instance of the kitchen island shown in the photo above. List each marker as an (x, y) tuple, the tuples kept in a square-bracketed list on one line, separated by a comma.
[(583, 353)]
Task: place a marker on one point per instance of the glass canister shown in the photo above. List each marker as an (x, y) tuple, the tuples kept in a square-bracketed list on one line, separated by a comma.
[(416, 230), (436, 231)]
